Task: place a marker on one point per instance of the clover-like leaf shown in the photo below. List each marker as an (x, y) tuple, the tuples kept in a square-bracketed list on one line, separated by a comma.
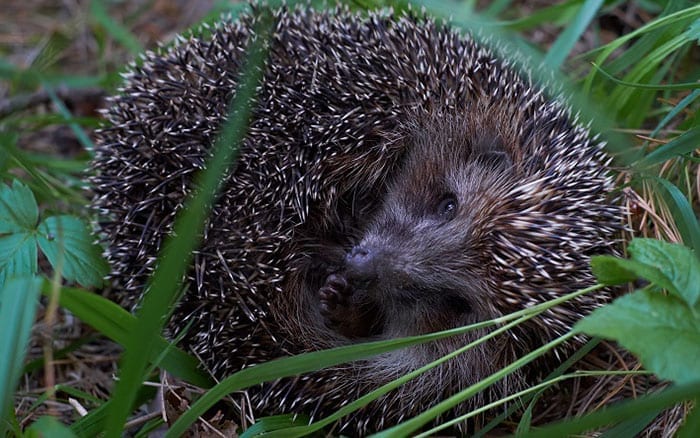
[(18, 209), (68, 245), (661, 330), (17, 256)]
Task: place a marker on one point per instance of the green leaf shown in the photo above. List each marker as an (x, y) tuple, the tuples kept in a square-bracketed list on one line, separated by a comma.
[(545, 15), (18, 256), (48, 427), (18, 300), (18, 209), (299, 364), (68, 244), (678, 265), (671, 266), (633, 426), (610, 270), (92, 424), (661, 330)]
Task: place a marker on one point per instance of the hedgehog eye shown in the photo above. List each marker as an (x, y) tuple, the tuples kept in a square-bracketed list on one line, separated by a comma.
[(447, 209)]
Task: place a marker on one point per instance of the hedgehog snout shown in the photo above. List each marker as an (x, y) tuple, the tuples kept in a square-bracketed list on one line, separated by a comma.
[(361, 264)]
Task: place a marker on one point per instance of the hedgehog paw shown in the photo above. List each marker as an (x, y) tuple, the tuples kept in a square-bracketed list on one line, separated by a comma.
[(335, 298)]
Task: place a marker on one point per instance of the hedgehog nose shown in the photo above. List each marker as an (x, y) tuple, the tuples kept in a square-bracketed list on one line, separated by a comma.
[(361, 262)]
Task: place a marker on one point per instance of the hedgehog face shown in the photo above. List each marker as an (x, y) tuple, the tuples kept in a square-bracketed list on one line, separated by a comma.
[(417, 266)]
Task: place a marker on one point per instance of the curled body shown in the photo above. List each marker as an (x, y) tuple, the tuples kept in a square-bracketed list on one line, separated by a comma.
[(398, 178)]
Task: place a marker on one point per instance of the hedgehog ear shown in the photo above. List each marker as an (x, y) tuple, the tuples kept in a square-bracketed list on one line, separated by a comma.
[(491, 154), (496, 160)]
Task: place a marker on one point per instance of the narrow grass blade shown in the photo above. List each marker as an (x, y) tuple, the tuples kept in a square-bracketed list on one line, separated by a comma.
[(545, 15), (566, 41), (681, 145), (291, 366), (18, 301), (295, 365), (116, 323), (177, 252), (683, 213), (631, 409), (684, 86), (408, 428), (116, 30), (70, 121)]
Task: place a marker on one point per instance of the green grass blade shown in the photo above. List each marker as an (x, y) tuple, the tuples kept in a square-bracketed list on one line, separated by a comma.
[(647, 42), (612, 415), (307, 362), (99, 13), (685, 15), (566, 41), (546, 15), (116, 323), (92, 424), (681, 145), (304, 430), (682, 105), (633, 426), (684, 86), (70, 121), (18, 301), (683, 212), (410, 427), (177, 252), (580, 353), (303, 363)]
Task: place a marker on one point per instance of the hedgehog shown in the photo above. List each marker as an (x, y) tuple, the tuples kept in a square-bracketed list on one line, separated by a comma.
[(397, 178)]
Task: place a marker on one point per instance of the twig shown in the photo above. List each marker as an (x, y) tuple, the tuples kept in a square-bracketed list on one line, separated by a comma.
[(25, 101)]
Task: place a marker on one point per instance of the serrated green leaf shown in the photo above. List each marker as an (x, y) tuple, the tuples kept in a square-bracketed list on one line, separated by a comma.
[(48, 427), (18, 256), (18, 209), (661, 330), (678, 264), (18, 300), (66, 241)]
